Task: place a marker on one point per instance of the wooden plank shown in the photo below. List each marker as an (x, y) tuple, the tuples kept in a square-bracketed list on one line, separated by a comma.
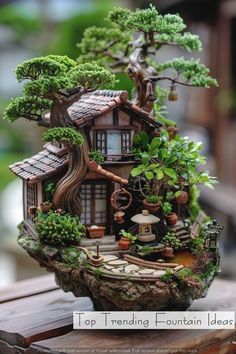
[(28, 287), (5, 348), (39, 317), (103, 340), (204, 341)]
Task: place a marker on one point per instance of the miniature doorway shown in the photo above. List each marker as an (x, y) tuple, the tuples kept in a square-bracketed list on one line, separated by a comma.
[(94, 198)]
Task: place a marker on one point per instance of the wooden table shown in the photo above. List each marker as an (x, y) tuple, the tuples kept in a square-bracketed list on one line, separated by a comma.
[(36, 317)]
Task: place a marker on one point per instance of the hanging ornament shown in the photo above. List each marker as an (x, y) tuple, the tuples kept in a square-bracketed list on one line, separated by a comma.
[(121, 200), (173, 96)]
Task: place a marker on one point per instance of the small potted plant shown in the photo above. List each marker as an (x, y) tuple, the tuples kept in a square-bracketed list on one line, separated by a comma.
[(46, 206), (171, 218), (152, 203), (126, 239), (181, 197)]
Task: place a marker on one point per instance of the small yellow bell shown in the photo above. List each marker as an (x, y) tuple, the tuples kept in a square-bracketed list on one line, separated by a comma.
[(173, 96)]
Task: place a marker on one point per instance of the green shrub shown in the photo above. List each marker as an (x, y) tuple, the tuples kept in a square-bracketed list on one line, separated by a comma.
[(59, 228), (96, 156), (71, 255), (64, 135), (170, 240), (196, 245)]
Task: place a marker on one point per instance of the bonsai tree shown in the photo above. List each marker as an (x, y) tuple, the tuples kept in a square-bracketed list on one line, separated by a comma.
[(54, 83), (132, 44)]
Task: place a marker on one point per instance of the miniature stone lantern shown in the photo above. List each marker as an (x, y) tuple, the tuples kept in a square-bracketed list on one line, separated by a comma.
[(145, 222), (212, 232)]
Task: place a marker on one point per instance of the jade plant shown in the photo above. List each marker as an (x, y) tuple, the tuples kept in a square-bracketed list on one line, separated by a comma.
[(166, 208), (52, 84), (128, 235), (59, 228), (132, 44)]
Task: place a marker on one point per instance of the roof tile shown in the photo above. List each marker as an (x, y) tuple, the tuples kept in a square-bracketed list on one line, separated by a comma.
[(39, 166)]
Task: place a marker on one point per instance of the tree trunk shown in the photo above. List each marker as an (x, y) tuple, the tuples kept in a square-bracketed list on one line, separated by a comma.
[(66, 195), (140, 72)]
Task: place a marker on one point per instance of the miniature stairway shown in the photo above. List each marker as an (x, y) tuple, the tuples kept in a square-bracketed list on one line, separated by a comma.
[(107, 244), (181, 233)]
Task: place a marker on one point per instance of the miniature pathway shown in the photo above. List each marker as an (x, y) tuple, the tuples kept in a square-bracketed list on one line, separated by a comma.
[(124, 268)]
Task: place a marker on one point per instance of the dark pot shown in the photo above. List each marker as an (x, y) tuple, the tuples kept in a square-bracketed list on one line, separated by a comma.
[(171, 219), (152, 207), (183, 198)]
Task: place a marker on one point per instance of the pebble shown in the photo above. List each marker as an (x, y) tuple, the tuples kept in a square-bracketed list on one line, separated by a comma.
[(110, 257), (131, 268), (159, 273), (118, 262), (116, 270), (106, 266), (146, 271)]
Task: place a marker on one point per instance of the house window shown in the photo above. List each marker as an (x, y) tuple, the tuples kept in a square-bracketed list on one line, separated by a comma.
[(125, 142), (94, 204), (113, 142), (101, 141), (31, 199)]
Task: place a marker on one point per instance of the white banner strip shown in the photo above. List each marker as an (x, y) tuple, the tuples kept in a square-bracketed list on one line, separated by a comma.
[(154, 320)]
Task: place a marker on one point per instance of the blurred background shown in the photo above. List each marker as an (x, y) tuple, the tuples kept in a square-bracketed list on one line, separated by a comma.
[(31, 28)]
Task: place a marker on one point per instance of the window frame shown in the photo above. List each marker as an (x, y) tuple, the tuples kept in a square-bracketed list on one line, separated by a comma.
[(123, 131), (93, 199)]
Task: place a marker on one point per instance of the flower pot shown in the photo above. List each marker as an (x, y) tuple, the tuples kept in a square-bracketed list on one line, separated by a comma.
[(46, 207), (96, 232), (119, 217), (152, 207), (171, 219), (182, 198), (124, 243)]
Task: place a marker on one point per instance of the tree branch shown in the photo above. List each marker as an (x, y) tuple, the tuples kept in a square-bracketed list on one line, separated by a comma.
[(174, 81)]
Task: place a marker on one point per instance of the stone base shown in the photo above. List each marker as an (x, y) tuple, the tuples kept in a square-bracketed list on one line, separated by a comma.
[(110, 293)]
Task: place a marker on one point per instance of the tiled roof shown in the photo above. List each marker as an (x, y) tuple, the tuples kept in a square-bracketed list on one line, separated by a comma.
[(95, 103), (92, 105), (38, 167)]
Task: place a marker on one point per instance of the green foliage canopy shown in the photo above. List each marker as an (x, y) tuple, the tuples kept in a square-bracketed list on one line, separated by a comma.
[(113, 46), (51, 79), (63, 135)]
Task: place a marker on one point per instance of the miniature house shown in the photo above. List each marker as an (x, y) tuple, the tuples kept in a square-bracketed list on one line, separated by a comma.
[(109, 121)]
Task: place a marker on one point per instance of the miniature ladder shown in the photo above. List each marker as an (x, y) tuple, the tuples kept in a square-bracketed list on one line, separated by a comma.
[(185, 235)]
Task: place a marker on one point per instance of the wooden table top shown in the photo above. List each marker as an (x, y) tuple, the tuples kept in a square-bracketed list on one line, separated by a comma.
[(36, 317)]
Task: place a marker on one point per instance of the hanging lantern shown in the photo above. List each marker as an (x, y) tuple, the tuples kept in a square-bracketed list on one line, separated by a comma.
[(173, 96)]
